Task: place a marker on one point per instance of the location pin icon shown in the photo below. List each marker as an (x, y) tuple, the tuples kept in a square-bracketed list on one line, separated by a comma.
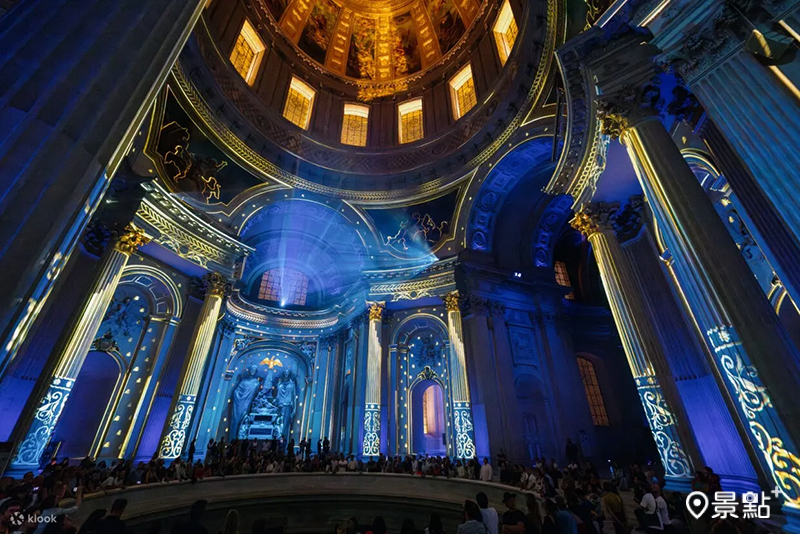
[(697, 503)]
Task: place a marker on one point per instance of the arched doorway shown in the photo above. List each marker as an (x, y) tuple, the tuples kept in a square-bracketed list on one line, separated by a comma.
[(428, 419), (89, 401)]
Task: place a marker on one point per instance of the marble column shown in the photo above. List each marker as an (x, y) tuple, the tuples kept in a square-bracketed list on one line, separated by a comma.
[(752, 351), (371, 445), (490, 437), (463, 430), (745, 76), (645, 354), (769, 230), (78, 79), (217, 388), (174, 440), (76, 348)]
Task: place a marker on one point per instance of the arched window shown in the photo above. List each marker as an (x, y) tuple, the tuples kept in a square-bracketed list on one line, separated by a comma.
[(597, 406), (562, 277), (284, 285)]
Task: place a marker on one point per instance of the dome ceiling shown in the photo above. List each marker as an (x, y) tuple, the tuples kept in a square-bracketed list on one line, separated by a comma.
[(373, 40)]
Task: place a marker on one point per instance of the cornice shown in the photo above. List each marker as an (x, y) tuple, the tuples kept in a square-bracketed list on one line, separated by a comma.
[(177, 228)]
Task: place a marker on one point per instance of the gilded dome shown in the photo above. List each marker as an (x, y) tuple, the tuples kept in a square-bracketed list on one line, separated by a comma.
[(372, 40)]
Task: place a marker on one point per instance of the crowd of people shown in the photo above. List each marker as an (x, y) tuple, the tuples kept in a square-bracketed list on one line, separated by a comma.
[(569, 500)]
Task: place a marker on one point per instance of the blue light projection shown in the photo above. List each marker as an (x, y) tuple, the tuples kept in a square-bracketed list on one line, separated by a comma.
[(45, 420), (172, 446), (372, 430), (663, 426), (465, 430)]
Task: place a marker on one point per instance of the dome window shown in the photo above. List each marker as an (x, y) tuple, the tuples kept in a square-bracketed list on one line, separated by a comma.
[(505, 31), (462, 92), (354, 124), (410, 120), (247, 52), (299, 103)]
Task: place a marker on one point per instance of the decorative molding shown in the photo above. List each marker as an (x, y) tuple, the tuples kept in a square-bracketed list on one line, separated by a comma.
[(178, 229)]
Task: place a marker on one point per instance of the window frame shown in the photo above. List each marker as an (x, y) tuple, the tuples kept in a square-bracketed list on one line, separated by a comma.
[(256, 44), (305, 90), (593, 392), (457, 81), (505, 18), (357, 110), (405, 108)]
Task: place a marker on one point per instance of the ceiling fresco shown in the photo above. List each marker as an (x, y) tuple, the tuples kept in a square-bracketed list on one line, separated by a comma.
[(380, 40)]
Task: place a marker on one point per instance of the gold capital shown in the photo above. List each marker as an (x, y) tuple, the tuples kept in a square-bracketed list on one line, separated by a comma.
[(585, 224), (215, 284), (131, 239), (451, 301), (376, 310), (612, 124)]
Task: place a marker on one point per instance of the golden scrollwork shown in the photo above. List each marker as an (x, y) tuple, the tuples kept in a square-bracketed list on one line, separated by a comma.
[(376, 310), (452, 301), (131, 239)]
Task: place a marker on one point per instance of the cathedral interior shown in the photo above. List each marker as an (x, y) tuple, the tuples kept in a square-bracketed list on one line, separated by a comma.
[(453, 228)]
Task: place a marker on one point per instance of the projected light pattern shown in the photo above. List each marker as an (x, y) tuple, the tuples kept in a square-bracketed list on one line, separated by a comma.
[(45, 420), (284, 285)]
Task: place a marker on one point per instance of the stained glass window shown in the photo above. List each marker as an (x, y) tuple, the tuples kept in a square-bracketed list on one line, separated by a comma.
[(299, 102), (410, 113), (285, 286), (505, 31), (597, 406), (247, 52), (354, 125), (462, 92)]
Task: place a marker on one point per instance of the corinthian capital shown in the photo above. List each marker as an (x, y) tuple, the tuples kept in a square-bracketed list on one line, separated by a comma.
[(376, 310), (452, 301), (595, 218), (215, 284), (131, 239)]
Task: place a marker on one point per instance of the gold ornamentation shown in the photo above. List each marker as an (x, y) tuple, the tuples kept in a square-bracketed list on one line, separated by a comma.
[(271, 362), (131, 239), (585, 224), (216, 284), (451, 301), (376, 310), (784, 466), (612, 124)]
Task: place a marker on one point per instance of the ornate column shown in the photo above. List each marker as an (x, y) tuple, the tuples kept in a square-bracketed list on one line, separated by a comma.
[(217, 388), (745, 75), (172, 443), (371, 445), (759, 364), (459, 382), (84, 75), (646, 356), (77, 346)]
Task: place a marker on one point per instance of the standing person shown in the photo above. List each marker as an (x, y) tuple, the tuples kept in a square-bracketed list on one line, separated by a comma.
[(486, 471), (194, 525), (113, 523), (514, 521), (319, 447), (192, 449), (473, 520), (571, 452), (490, 517), (231, 525), (326, 446), (435, 525)]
